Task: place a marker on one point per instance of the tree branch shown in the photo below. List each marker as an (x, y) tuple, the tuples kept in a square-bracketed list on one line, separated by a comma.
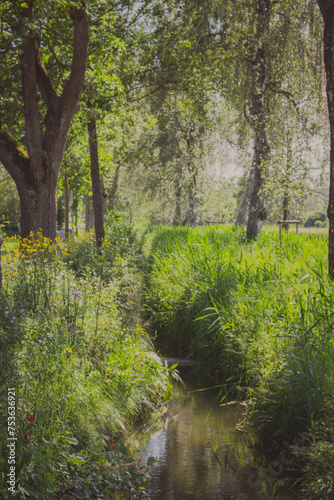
[(73, 88), (12, 155), (44, 82), (30, 99)]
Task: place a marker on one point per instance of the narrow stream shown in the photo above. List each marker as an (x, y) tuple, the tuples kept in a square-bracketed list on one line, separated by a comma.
[(205, 458)]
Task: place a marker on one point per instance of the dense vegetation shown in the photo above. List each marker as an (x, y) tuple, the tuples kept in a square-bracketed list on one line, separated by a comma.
[(81, 372), (260, 317), (146, 107)]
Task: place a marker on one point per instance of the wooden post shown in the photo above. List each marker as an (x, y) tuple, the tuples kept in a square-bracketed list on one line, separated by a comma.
[(286, 222)]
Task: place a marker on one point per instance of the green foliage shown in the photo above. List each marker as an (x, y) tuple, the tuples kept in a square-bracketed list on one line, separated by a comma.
[(314, 219), (118, 257), (9, 202), (260, 316), (81, 376)]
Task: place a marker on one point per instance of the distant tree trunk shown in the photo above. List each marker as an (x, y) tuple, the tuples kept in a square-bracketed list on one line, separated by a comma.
[(36, 171), (76, 207), (66, 205), (286, 209), (98, 202), (114, 187), (190, 217), (327, 11), (257, 211), (244, 206), (178, 194), (87, 213)]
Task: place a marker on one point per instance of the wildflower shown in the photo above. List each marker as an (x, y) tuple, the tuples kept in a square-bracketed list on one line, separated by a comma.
[(37, 318), (26, 435), (30, 418), (15, 327), (70, 324), (6, 337), (6, 307), (22, 311), (12, 320), (69, 350)]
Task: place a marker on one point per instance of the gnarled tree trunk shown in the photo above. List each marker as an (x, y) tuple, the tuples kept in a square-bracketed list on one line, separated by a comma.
[(36, 171)]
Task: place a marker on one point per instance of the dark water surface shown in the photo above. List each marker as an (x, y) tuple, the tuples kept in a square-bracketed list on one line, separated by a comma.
[(205, 458)]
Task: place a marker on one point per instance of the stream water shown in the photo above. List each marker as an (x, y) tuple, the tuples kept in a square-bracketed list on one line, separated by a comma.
[(205, 458)]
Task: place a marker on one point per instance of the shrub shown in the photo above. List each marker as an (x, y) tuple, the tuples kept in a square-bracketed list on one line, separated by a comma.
[(314, 219)]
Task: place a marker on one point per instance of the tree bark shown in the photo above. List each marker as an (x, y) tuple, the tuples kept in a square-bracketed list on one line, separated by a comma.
[(244, 206), (66, 205), (286, 209), (190, 217), (178, 193), (114, 187), (257, 211), (36, 171), (98, 202), (87, 213), (327, 11)]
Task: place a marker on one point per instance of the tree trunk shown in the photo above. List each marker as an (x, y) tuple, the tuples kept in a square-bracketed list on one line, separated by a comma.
[(98, 202), (257, 211), (190, 218), (178, 194), (38, 205), (88, 210), (286, 209), (36, 171), (244, 206), (114, 187), (327, 11), (76, 206), (66, 205)]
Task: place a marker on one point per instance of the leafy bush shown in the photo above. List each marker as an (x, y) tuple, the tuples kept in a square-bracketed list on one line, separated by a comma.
[(117, 258), (314, 219)]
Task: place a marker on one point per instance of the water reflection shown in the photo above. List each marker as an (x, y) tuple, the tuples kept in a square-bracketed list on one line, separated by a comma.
[(204, 458)]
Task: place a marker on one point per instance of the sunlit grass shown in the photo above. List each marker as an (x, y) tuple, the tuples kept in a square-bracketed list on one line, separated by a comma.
[(258, 315)]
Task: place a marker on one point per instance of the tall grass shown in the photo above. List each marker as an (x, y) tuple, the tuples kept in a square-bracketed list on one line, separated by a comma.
[(260, 316), (81, 374)]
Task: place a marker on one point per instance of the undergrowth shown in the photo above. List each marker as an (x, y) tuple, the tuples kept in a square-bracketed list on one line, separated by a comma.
[(79, 374)]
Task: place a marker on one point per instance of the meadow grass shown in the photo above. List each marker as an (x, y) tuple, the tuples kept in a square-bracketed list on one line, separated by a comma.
[(82, 375), (260, 317)]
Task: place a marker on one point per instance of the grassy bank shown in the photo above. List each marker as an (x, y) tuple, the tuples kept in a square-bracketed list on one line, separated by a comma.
[(79, 374), (261, 318)]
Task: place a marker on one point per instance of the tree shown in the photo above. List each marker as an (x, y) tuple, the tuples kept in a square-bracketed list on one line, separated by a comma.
[(35, 170), (327, 11)]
